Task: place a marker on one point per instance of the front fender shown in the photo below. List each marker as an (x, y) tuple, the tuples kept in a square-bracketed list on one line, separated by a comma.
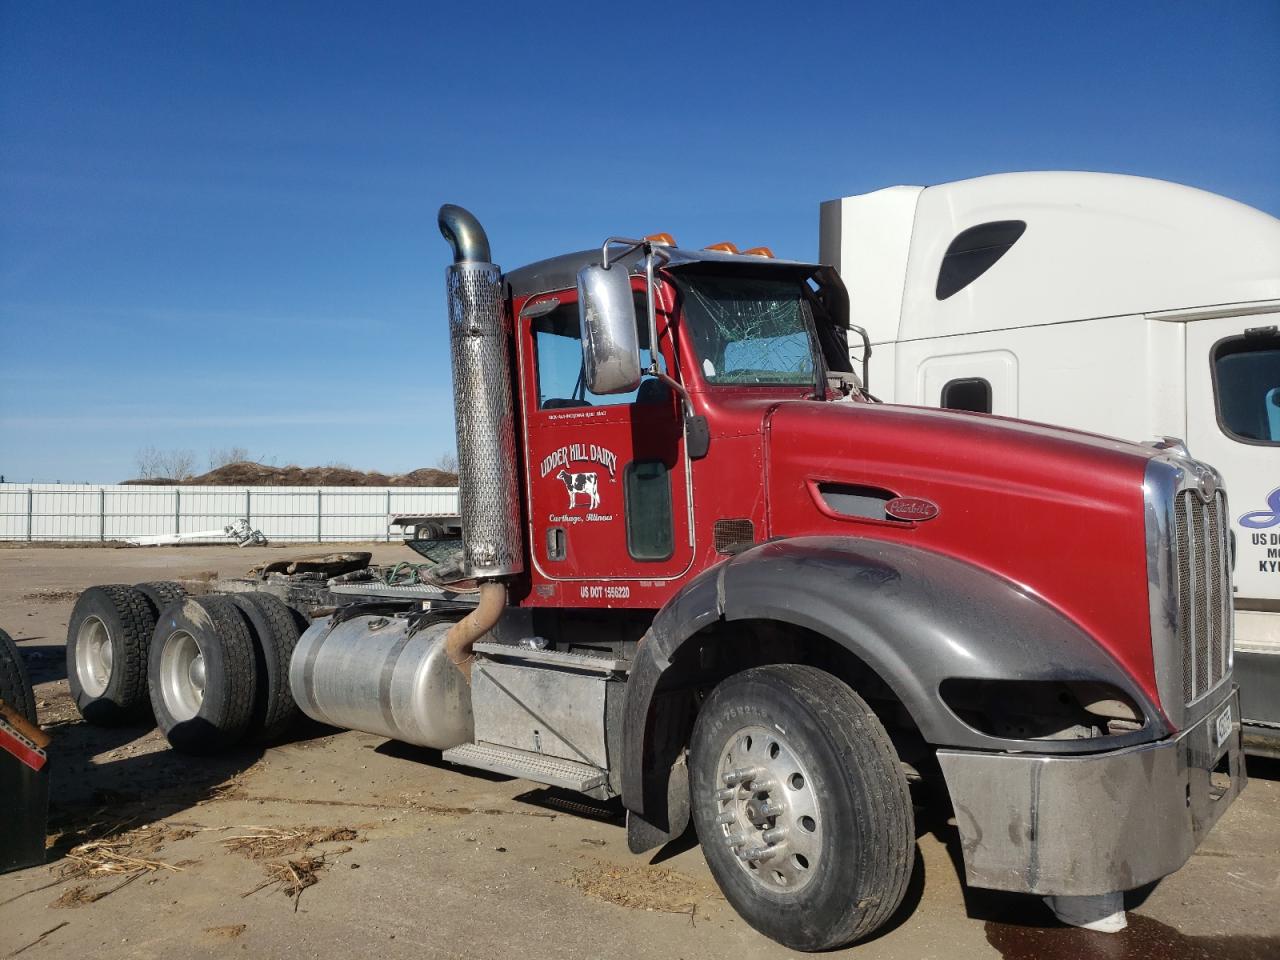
[(912, 616)]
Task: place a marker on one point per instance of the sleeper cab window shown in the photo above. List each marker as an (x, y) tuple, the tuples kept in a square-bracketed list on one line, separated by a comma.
[(1246, 386), (967, 393), (558, 347), (975, 251)]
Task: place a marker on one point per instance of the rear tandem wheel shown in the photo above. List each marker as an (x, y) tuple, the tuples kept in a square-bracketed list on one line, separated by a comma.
[(201, 674), (107, 638)]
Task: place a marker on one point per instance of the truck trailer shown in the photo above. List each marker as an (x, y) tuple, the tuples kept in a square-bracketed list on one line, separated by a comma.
[(1115, 304), (701, 571)]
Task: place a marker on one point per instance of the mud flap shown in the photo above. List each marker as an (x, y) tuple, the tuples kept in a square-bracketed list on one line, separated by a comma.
[(643, 835), (24, 790)]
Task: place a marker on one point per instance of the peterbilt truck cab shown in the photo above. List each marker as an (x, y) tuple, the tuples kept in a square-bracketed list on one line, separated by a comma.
[(703, 572), (1115, 304)]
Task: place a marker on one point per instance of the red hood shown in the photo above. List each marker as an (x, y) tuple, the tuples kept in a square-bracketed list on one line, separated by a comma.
[(1059, 512)]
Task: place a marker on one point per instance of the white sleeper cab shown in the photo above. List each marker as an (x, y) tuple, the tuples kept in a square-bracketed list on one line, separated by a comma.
[(1118, 305)]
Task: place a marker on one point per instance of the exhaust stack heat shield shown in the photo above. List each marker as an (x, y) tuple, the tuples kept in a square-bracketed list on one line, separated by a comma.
[(488, 492)]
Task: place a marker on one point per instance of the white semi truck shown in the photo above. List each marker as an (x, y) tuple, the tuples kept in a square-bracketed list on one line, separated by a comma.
[(1113, 304)]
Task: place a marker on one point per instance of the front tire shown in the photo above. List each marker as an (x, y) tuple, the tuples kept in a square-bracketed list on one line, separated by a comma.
[(801, 806)]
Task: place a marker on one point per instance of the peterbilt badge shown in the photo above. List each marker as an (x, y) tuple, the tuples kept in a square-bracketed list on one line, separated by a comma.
[(911, 508)]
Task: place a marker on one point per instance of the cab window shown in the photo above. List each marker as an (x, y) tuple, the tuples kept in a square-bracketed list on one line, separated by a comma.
[(558, 348), (650, 523), (975, 251), (967, 393), (1246, 385)]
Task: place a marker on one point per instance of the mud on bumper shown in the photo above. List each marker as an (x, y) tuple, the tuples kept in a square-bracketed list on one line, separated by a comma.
[(1098, 823)]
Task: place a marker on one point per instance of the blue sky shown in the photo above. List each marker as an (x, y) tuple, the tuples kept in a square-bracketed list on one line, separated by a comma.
[(217, 221)]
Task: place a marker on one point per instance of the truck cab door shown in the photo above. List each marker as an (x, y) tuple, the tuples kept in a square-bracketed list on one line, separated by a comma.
[(607, 492), (1233, 423)]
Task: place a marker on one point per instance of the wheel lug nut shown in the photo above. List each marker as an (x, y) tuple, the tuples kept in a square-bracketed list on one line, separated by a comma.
[(728, 793), (774, 835), (758, 854), (741, 775), (770, 809), (727, 818)]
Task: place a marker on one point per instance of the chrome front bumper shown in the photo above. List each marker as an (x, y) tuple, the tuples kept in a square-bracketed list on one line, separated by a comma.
[(1098, 823)]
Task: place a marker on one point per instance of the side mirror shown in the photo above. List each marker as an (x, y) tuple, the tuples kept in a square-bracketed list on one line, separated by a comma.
[(607, 315)]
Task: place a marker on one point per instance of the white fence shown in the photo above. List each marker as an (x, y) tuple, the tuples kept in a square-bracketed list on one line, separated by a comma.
[(59, 511)]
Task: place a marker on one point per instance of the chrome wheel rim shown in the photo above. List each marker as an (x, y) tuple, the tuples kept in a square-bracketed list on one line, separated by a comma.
[(182, 675), (767, 810), (94, 656)]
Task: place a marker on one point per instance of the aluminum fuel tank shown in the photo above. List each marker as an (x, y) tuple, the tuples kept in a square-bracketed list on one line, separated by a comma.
[(372, 674)]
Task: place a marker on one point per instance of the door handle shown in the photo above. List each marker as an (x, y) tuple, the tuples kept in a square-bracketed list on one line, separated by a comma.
[(555, 543)]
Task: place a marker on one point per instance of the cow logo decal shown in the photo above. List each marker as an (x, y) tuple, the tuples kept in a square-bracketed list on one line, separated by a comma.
[(584, 484)]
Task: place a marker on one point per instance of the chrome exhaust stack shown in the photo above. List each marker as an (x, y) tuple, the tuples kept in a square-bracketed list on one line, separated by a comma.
[(383, 674), (488, 487)]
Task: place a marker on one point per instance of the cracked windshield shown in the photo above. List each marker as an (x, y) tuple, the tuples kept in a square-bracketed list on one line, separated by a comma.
[(749, 330)]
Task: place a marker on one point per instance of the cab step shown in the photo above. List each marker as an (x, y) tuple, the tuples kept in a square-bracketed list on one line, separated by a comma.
[(527, 765), (556, 658)]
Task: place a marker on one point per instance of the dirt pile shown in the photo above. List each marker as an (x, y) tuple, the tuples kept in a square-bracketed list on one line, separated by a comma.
[(249, 474), (641, 887), (50, 596)]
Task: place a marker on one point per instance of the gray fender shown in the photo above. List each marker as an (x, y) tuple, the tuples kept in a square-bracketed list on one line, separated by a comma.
[(912, 616)]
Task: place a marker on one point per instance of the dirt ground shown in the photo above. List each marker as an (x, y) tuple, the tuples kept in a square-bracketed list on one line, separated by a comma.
[(347, 845)]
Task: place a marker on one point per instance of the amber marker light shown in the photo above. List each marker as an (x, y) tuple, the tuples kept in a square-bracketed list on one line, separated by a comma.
[(758, 252), (662, 239), (725, 247)]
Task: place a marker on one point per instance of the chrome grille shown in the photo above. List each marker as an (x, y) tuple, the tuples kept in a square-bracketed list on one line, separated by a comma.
[(1204, 592)]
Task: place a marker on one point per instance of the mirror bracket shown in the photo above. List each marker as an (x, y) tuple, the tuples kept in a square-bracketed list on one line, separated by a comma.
[(696, 430), (651, 251)]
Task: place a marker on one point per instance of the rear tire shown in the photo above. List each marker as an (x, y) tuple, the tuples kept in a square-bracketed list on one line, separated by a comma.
[(201, 675), (826, 810), (107, 638), (275, 633), (15, 685), (161, 593)]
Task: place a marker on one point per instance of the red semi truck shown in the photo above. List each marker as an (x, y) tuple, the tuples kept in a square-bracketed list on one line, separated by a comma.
[(703, 571)]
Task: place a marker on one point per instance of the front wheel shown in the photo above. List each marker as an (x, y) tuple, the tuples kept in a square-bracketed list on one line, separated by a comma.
[(801, 806)]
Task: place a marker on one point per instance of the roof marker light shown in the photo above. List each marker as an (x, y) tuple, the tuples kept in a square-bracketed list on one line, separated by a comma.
[(724, 247), (661, 239), (758, 252)]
